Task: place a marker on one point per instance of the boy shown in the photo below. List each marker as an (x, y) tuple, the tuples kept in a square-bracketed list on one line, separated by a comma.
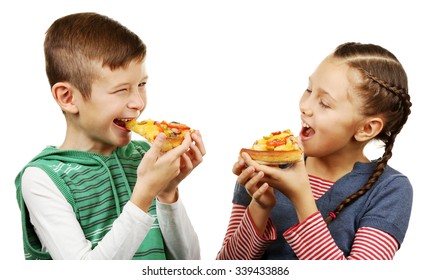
[(96, 196)]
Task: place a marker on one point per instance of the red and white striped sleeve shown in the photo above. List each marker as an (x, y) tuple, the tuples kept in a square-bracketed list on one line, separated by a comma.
[(242, 241), (311, 240), (373, 244)]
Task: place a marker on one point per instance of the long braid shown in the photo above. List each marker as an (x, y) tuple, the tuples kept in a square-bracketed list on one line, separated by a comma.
[(400, 102), (399, 92), (380, 166)]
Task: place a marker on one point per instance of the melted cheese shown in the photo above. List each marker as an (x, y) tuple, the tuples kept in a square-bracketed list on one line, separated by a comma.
[(275, 142), (150, 129)]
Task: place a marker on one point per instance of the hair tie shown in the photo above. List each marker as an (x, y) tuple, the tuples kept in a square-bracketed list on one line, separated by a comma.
[(332, 214)]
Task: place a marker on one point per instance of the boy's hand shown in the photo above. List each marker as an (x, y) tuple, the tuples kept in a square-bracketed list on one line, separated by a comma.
[(189, 160), (159, 173), (155, 172)]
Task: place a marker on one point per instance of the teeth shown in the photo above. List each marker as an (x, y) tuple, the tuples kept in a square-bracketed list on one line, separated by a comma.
[(306, 125), (124, 120)]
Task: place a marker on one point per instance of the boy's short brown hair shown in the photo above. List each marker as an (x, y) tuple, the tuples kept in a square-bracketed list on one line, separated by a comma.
[(76, 43)]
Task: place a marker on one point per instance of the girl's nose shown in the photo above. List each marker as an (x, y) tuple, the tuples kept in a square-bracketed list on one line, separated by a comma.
[(305, 109), (306, 112), (304, 104)]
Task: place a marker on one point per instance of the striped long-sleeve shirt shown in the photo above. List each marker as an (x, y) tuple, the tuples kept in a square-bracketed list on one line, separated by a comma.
[(309, 239)]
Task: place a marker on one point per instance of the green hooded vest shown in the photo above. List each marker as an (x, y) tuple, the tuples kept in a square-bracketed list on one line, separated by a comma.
[(97, 187)]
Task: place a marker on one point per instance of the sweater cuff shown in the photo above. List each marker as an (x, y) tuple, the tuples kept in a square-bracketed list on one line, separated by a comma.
[(270, 233), (293, 233), (311, 239), (169, 207), (136, 213)]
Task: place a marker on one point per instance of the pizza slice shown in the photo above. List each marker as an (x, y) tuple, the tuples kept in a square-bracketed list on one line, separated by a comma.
[(149, 129), (277, 148)]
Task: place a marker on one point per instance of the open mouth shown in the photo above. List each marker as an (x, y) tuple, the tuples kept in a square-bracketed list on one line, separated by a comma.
[(121, 122), (306, 130)]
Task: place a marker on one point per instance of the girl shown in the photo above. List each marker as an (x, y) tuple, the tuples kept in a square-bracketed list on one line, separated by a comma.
[(336, 203)]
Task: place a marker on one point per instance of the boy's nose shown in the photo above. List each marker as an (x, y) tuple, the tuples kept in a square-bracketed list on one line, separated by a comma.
[(137, 101)]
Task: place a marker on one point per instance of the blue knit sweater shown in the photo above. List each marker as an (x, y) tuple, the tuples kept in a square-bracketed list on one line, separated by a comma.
[(386, 206)]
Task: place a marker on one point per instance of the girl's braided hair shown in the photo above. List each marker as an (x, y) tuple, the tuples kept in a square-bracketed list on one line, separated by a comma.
[(383, 90)]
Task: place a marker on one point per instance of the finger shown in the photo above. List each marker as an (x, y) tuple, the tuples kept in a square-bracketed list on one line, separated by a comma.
[(238, 166), (186, 162), (197, 138), (246, 157), (245, 175), (187, 141), (194, 154), (156, 147), (251, 184), (260, 191), (184, 147), (271, 172), (250, 162)]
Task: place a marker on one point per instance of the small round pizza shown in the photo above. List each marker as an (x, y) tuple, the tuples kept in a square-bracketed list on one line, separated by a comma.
[(278, 148), (149, 129)]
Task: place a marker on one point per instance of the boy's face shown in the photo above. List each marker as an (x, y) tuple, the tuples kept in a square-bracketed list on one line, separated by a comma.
[(115, 95)]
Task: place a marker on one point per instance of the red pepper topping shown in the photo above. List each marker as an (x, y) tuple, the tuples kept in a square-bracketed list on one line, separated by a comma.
[(276, 142), (178, 126)]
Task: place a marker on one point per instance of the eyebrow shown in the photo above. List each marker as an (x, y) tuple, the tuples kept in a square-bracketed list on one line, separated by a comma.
[(321, 91), (324, 92), (117, 86), (126, 84)]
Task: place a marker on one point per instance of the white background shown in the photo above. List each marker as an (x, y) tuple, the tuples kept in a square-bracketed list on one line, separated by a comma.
[(232, 69)]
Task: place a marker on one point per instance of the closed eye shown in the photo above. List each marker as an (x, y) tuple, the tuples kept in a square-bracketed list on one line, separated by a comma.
[(120, 90), (323, 104)]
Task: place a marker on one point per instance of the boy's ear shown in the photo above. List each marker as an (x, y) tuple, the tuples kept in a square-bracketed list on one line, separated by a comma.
[(369, 129), (63, 93)]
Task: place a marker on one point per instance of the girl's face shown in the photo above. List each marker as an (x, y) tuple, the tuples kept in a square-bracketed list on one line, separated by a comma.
[(116, 96), (329, 111)]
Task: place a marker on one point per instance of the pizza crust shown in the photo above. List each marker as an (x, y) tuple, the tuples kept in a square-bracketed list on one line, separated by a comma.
[(273, 157)]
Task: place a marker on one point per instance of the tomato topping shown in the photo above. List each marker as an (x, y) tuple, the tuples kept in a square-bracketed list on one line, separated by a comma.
[(276, 142), (159, 126), (178, 125), (276, 133)]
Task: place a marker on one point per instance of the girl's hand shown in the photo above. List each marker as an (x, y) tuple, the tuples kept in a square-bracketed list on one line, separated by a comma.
[(289, 180), (262, 194), (263, 198), (293, 182)]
